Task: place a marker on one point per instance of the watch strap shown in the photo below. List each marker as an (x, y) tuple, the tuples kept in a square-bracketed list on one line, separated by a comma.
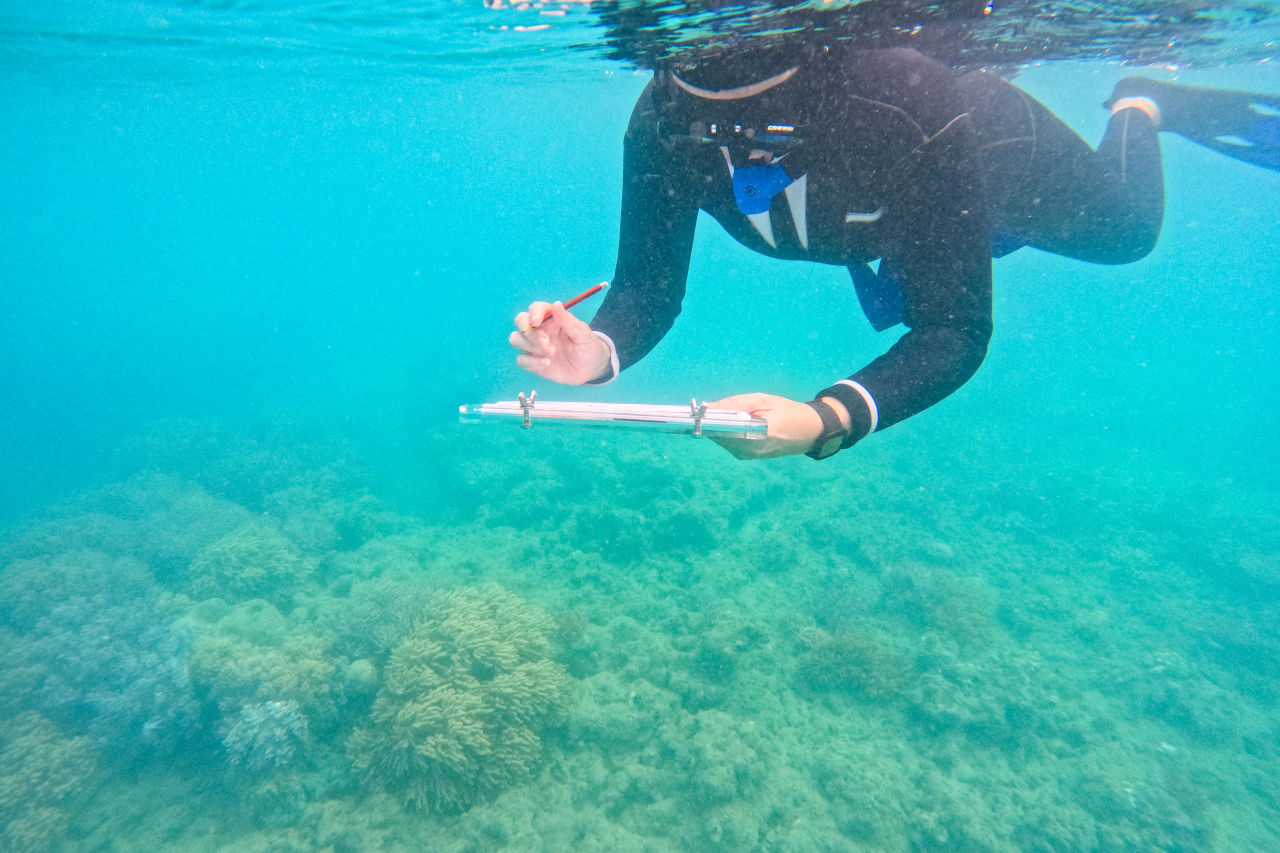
[(861, 422), (833, 434)]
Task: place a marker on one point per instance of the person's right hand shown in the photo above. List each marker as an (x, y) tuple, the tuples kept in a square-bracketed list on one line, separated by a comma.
[(558, 346)]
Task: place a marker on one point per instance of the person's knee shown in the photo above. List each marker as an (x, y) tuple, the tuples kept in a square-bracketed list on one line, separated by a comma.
[(1125, 236), (1127, 246), (1127, 253)]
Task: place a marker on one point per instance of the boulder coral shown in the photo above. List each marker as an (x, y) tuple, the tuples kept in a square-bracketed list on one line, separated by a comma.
[(466, 697)]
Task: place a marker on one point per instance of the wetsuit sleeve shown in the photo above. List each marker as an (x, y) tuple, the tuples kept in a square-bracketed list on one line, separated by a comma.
[(659, 215), (939, 251)]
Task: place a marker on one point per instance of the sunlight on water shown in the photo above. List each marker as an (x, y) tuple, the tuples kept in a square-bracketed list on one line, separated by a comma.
[(459, 36)]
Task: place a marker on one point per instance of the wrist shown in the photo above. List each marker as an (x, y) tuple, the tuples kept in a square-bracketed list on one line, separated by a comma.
[(832, 431), (841, 412), (604, 368), (858, 405)]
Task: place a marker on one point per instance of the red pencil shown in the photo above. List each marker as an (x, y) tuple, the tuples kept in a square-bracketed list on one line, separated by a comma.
[(586, 294)]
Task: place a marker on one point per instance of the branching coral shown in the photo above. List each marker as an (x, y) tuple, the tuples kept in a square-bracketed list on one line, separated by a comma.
[(856, 661), (170, 520), (253, 561), (31, 588), (236, 670), (97, 649), (160, 519), (467, 694), (266, 735), (376, 614), (322, 519), (101, 650), (41, 770), (273, 683)]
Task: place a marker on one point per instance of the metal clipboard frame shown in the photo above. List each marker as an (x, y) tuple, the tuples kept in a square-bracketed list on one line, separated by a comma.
[(694, 419)]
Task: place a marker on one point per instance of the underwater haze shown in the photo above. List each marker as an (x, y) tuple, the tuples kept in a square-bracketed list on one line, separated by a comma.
[(261, 591)]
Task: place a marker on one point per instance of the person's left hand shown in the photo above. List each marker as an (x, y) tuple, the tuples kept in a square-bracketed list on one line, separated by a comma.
[(793, 427)]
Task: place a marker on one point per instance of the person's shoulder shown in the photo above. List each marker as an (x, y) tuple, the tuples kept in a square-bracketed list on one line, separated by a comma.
[(904, 78), (644, 116), (893, 68), (909, 57)]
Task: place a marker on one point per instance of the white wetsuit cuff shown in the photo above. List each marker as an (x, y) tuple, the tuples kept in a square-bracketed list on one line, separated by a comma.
[(872, 409), (1144, 104), (614, 370)]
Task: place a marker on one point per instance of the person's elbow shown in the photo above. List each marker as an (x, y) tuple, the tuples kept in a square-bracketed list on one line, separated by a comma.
[(977, 337), (962, 347)]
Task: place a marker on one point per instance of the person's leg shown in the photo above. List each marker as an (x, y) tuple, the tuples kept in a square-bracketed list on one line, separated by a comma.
[(1046, 187)]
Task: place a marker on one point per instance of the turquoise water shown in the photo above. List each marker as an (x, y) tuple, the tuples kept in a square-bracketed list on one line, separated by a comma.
[(260, 591)]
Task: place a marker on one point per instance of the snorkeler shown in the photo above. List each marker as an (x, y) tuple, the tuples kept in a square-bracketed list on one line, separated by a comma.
[(845, 156)]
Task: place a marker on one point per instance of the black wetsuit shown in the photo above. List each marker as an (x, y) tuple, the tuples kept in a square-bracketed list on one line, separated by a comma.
[(899, 159)]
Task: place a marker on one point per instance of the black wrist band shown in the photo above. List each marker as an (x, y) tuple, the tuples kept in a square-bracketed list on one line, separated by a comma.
[(859, 417), (833, 434)]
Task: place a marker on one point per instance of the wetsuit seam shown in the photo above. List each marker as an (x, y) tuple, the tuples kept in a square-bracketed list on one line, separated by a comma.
[(1031, 121), (1124, 147), (1007, 141), (1032, 136), (899, 110), (946, 127)]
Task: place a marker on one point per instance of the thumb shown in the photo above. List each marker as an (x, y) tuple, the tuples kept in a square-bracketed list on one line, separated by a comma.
[(578, 331)]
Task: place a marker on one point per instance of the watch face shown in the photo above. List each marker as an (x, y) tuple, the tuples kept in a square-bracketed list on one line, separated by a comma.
[(830, 446)]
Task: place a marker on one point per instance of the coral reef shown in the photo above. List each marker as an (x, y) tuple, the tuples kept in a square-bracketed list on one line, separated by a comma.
[(20, 676), (160, 519), (253, 561), (266, 735), (97, 650), (272, 682), (625, 712), (170, 520), (321, 518), (748, 673), (42, 772), (121, 672), (31, 587), (467, 695), (723, 759), (375, 615), (856, 661), (929, 598)]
